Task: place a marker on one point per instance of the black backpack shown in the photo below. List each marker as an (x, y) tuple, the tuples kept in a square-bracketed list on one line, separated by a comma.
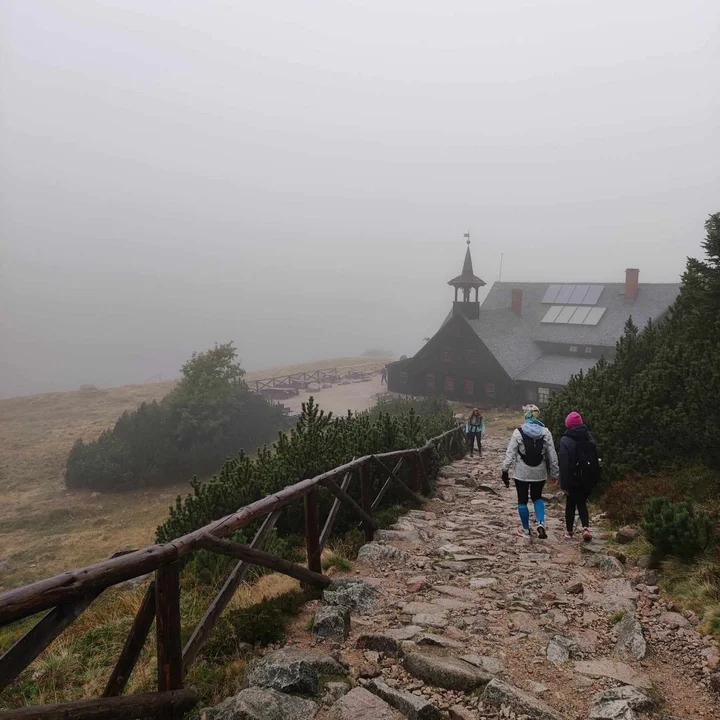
[(534, 449), (586, 473)]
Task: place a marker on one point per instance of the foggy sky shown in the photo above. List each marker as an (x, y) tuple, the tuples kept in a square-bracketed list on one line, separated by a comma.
[(296, 175)]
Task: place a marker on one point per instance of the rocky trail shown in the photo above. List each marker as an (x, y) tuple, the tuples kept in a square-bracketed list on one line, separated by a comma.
[(451, 615)]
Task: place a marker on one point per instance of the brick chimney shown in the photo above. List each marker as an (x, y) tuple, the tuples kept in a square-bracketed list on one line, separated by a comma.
[(517, 301), (631, 283)]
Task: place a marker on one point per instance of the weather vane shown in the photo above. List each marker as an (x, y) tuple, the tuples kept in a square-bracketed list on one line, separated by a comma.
[(467, 235)]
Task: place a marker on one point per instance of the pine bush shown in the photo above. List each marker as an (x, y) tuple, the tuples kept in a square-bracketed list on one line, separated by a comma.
[(210, 415), (657, 405), (676, 528), (317, 444)]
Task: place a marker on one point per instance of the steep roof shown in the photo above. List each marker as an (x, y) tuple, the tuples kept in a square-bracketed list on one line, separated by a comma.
[(651, 303), (517, 341), (508, 338), (467, 277)]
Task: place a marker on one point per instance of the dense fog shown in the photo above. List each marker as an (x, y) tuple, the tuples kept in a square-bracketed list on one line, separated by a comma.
[(297, 176)]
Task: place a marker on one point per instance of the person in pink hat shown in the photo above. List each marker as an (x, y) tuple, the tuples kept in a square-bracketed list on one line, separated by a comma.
[(579, 472)]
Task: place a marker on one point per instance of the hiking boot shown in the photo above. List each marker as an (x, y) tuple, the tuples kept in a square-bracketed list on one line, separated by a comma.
[(541, 532), (522, 532), (587, 535), (567, 536)]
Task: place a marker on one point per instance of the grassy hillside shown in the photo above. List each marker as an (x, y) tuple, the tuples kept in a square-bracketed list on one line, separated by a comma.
[(44, 528)]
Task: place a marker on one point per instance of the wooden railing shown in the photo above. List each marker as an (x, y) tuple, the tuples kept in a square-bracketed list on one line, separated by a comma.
[(67, 595), (303, 379)]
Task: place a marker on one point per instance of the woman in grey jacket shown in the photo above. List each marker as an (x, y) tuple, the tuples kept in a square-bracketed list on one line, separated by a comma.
[(532, 452)]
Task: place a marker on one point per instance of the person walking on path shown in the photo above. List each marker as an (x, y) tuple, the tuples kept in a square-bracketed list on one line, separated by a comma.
[(579, 472), (475, 427), (383, 376), (532, 453)]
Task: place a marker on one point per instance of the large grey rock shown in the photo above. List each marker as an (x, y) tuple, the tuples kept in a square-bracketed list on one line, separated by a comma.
[(620, 703), (615, 670), (397, 536), (485, 662), (560, 649), (361, 704), (612, 710), (625, 535), (379, 643), (353, 594), (332, 621), (414, 707), (261, 704), (607, 564), (633, 696), (374, 552), (291, 670), (446, 672), (498, 692), (630, 639)]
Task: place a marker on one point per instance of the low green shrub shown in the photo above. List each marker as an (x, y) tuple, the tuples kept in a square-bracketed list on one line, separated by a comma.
[(676, 528), (318, 443), (210, 415)]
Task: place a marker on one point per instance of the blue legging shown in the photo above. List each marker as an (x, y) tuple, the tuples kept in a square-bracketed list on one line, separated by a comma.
[(534, 490)]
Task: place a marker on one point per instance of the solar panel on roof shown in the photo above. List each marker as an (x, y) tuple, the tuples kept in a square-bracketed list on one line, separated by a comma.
[(565, 314), (552, 313), (578, 317), (593, 295), (593, 317), (578, 294), (564, 295), (551, 293)]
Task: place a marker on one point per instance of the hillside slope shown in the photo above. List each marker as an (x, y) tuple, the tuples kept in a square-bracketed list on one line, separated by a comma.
[(44, 528)]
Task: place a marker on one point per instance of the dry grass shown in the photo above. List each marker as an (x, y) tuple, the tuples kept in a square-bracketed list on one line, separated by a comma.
[(44, 528)]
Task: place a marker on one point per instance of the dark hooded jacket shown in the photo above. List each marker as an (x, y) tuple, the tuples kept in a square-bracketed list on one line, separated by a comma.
[(577, 440)]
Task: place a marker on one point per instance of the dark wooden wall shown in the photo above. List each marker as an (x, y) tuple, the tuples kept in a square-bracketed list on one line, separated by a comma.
[(461, 366)]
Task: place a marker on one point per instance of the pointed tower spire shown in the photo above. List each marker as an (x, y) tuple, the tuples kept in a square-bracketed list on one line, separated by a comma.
[(465, 282)]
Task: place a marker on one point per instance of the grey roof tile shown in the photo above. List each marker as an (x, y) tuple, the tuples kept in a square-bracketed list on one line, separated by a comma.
[(514, 340), (556, 369)]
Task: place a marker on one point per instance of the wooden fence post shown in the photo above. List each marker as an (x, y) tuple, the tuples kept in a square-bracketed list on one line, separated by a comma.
[(167, 622), (366, 498), (312, 532)]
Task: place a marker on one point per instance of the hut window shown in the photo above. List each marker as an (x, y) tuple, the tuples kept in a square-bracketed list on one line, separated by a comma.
[(588, 350), (449, 384), (543, 395), (469, 387), (446, 356), (490, 390), (573, 348), (471, 357)]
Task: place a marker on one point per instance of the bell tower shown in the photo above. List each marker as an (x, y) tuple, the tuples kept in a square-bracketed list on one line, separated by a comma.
[(464, 284)]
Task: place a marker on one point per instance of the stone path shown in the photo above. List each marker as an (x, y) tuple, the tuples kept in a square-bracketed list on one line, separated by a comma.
[(452, 615)]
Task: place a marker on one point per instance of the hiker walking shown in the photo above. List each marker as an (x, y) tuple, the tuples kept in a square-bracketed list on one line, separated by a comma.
[(579, 472), (533, 455), (383, 376), (474, 428)]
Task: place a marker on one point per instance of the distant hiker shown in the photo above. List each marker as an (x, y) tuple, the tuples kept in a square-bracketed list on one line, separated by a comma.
[(532, 452), (579, 472), (475, 427), (383, 376)]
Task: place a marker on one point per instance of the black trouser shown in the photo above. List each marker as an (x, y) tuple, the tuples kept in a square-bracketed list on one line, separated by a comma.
[(576, 500), (471, 441), (534, 489)]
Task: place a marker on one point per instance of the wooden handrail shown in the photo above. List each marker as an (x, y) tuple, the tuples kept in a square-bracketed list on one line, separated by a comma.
[(71, 592), (30, 599)]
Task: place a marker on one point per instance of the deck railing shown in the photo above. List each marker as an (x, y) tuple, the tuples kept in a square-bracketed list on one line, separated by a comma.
[(68, 595)]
